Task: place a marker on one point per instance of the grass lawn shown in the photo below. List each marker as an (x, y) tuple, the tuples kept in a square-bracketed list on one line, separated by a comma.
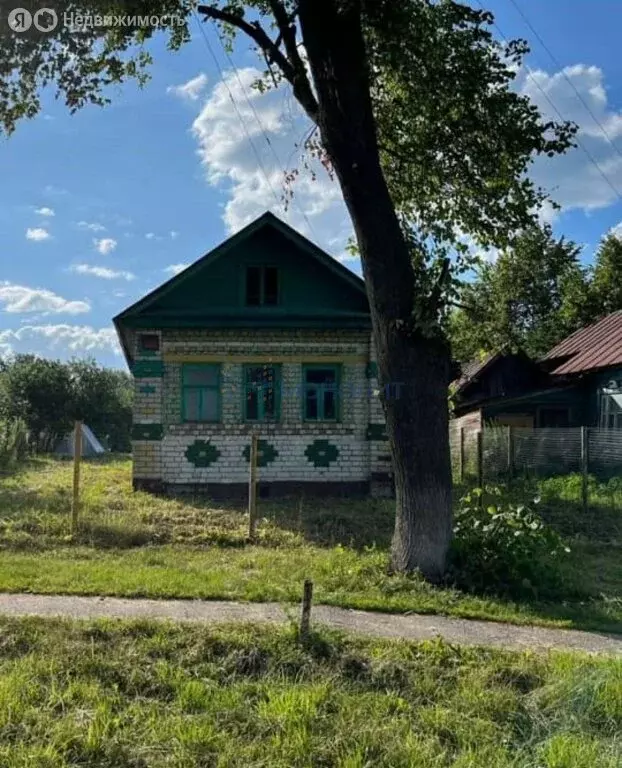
[(135, 544), (140, 695)]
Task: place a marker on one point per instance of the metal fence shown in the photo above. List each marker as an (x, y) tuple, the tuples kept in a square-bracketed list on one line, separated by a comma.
[(502, 455)]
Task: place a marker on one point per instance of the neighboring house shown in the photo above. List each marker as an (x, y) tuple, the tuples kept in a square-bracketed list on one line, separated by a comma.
[(577, 383), (265, 334)]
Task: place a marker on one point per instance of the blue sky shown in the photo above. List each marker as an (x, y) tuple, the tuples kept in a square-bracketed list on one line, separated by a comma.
[(100, 207)]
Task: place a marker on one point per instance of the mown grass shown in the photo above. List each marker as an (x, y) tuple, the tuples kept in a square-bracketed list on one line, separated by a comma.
[(121, 695), (135, 544)]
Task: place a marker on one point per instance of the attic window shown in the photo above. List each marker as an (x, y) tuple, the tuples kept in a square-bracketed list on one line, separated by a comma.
[(149, 343), (262, 286)]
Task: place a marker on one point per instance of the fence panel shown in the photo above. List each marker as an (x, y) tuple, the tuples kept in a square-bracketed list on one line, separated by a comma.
[(522, 452), (545, 452), (604, 458)]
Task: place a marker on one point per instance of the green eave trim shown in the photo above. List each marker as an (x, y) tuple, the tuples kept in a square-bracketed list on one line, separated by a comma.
[(147, 432), (377, 432), (329, 323), (148, 369)]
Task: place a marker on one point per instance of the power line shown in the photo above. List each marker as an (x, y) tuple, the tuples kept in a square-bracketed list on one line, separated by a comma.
[(237, 111), (530, 75), (555, 60), (264, 131)]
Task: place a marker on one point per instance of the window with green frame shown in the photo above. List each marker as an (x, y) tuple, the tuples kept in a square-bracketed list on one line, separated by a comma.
[(262, 392), (321, 401), (200, 396)]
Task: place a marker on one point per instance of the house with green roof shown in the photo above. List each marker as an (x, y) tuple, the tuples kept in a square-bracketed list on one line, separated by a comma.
[(269, 335)]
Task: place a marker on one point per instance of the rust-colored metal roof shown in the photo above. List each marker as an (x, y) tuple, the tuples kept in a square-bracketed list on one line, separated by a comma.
[(597, 346)]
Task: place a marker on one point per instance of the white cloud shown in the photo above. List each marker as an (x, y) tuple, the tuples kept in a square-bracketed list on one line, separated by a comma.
[(74, 338), (175, 269), (45, 211), (173, 234), (573, 179), (105, 246), (103, 272), (20, 298), (617, 231), (50, 189), (38, 234), (231, 164), (190, 91), (6, 347), (92, 225)]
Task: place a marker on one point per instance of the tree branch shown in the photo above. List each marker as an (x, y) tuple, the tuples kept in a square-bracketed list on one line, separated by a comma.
[(293, 68), (435, 294), (469, 308)]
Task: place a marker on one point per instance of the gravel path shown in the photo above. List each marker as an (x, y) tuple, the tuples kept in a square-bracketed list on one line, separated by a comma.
[(409, 627)]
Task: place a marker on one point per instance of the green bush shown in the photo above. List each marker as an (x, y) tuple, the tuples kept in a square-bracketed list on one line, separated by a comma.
[(13, 442), (504, 548)]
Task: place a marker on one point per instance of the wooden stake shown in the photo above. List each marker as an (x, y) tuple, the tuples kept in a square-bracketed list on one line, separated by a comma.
[(300, 508), (252, 489), (461, 457), (585, 463), (510, 452), (480, 460), (77, 458), (305, 616)]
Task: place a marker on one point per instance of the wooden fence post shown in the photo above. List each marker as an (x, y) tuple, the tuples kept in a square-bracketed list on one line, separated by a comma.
[(480, 459), (461, 456), (252, 489), (305, 616), (510, 453), (77, 458), (585, 463)]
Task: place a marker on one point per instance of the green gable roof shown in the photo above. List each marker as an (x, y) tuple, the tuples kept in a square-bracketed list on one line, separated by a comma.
[(315, 289)]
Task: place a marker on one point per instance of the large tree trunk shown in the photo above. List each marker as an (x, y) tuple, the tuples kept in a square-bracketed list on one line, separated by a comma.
[(413, 368)]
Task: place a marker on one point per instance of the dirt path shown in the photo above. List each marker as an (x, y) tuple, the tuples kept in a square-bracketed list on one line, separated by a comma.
[(409, 627)]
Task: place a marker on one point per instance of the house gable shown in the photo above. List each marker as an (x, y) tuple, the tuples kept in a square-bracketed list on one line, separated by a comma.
[(502, 375), (314, 290)]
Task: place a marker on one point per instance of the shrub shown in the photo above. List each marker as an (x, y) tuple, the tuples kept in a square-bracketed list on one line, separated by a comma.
[(13, 442), (505, 548)]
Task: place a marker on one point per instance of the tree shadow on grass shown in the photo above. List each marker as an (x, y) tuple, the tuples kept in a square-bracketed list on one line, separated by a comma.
[(330, 522)]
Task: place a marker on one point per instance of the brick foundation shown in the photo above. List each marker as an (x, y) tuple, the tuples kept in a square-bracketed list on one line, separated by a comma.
[(239, 491)]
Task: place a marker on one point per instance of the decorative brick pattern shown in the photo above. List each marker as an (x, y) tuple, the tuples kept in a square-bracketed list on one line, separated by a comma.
[(266, 453), (376, 432), (148, 401), (322, 453), (148, 369), (147, 432), (345, 455), (202, 453)]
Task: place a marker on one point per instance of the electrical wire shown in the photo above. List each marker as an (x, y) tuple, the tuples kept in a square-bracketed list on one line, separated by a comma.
[(260, 164), (557, 63), (530, 75)]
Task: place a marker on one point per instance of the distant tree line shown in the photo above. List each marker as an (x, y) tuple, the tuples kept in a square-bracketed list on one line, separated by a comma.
[(534, 295), (48, 396)]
